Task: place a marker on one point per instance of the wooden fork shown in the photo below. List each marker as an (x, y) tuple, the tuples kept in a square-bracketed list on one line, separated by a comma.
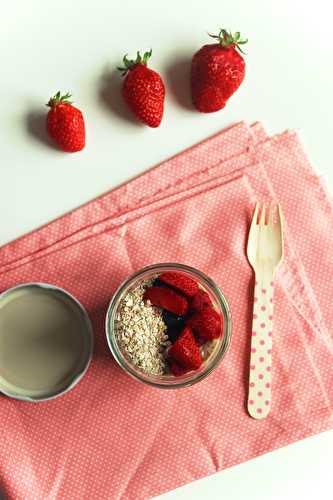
[(264, 252)]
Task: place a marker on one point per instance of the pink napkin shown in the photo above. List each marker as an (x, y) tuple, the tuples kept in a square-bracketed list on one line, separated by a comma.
[(112, 437)]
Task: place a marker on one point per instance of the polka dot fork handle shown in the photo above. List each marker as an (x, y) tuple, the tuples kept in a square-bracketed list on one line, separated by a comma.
[(259, 399), (265, 252)]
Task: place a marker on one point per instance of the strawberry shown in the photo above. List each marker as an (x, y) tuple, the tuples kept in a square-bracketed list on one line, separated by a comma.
[(183, 283), (177, 370), (65, 123), (167, 299), (206, 324), (143, 90), (200, 301), (185, 351), (217, 71)]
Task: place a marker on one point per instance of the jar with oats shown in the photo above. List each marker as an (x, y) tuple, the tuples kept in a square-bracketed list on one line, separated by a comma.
[(168, 325)]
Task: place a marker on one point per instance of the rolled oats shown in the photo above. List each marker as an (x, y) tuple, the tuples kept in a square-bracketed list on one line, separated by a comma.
[(141, 331)]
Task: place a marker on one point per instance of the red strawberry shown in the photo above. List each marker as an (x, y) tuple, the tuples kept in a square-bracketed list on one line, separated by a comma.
[(65, 123), (200, 301), (177, 370), (185, 351), (217, 72), (183, 283), (206, 324), (143, 90), (167, 299)]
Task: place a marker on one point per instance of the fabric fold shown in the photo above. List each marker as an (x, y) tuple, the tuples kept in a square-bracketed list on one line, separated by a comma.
[(215, 149)]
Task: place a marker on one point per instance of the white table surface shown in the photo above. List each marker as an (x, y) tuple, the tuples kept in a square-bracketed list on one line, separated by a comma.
[(47, 46)]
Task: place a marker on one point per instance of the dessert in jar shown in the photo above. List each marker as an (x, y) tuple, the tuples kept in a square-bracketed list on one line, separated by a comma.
[(168, 325)]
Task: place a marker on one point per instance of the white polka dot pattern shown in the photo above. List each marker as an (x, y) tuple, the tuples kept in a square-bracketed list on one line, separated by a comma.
[(168, 176), (111, 437)]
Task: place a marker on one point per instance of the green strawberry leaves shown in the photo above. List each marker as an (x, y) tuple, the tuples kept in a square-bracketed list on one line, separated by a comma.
[(129, 63), (228, 39), (59, 99)]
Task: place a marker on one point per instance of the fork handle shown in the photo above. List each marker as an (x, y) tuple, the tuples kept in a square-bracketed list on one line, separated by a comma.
[(259, 399)]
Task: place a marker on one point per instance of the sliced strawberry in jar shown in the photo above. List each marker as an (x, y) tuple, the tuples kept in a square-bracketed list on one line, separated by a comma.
[(181, 282), (185, 351), (206, 324), (177, 370), (167, 299), (200, 301)]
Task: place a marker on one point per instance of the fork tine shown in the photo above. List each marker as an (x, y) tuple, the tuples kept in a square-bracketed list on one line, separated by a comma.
[(280, 217), (280, 227), (255, 215), (263, 214), (271, 214)]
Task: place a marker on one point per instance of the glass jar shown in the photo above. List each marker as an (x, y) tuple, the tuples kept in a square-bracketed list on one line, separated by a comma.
[(169, 381)]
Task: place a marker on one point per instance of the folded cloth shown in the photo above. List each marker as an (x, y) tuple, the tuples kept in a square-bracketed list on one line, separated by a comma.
[(156, 183), (112, 437)]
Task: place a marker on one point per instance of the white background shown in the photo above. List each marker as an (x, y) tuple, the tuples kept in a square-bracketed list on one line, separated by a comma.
[(47, 46)]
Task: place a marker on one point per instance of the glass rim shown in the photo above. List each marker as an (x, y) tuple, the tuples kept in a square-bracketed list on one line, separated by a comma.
[(169, 383)]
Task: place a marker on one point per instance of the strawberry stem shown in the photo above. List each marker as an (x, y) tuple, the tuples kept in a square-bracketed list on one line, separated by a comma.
[(130, 63), (228, 39), (59, 99)]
